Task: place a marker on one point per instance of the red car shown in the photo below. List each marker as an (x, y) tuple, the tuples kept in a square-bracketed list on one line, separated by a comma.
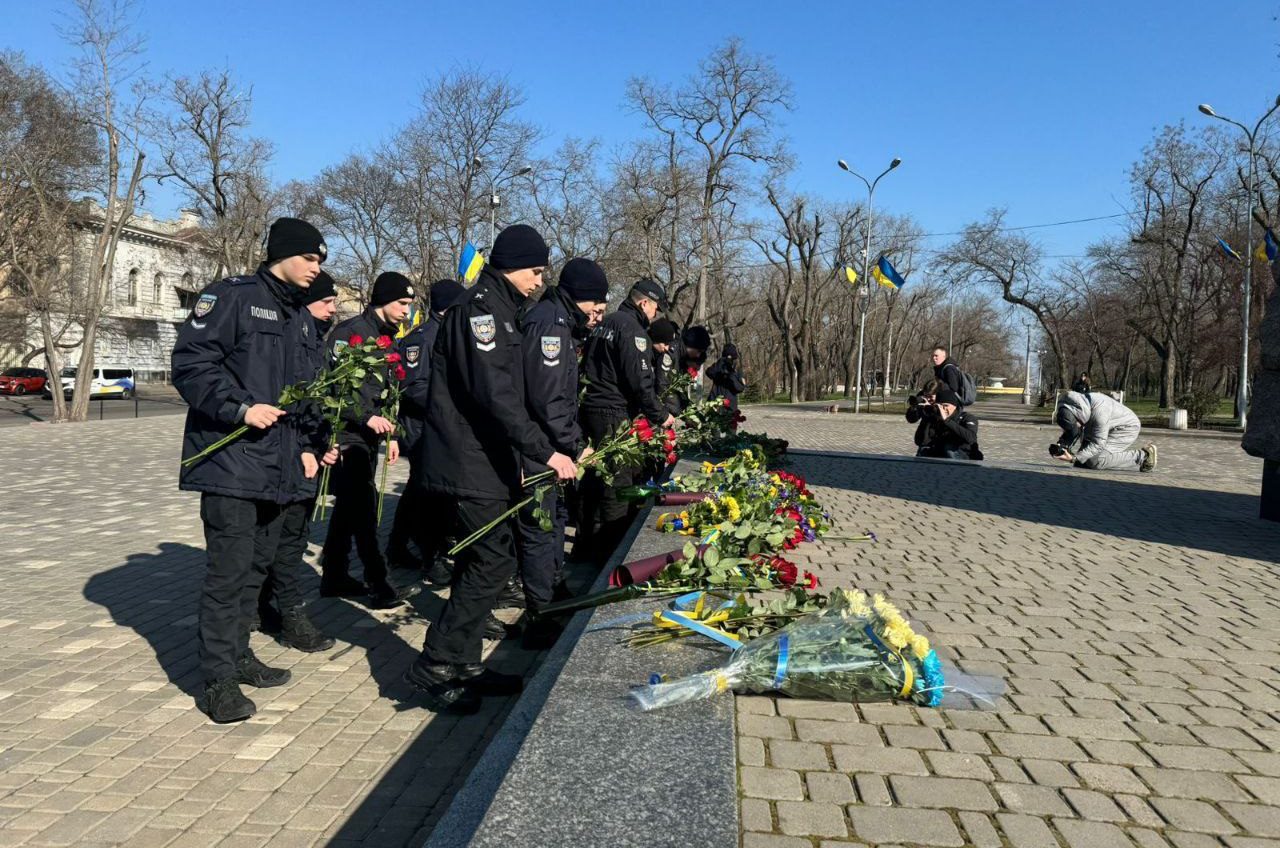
[(20, 381)]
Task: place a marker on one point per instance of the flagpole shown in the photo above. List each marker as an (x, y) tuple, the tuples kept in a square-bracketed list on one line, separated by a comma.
[(866, 264), (1242, 390)]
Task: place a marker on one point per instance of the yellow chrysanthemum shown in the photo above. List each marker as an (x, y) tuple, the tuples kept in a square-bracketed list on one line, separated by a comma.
[(773, 492), (920, 647), (897, 637)]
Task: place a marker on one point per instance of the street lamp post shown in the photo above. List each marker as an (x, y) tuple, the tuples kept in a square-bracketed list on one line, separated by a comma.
[(866, 264), (1026, 391), (1242, 390), (495, 201)]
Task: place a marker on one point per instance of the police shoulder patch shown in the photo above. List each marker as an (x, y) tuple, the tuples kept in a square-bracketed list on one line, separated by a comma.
[(642, 344), (412, 353), (485, 329), (551, 348), (204, 305), (666, 361)]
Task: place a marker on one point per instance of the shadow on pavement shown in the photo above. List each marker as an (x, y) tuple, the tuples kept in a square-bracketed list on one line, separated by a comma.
[(1218, 522)]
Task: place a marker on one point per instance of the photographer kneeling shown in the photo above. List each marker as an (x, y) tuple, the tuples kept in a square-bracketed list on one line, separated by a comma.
[(946, 430), (1106, 430)]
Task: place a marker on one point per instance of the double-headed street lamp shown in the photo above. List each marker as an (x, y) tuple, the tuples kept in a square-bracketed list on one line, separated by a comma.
[(1242, 390), (866, 263)]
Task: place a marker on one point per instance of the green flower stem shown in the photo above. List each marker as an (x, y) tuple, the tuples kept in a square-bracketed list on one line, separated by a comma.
[(483, 531), (218, 445), (382, 486)]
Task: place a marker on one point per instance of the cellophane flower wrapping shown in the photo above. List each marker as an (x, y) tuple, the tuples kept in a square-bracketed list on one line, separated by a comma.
[(854, 650)]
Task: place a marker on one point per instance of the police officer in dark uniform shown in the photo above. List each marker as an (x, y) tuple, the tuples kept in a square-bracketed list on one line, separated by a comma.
[(415, 519), (355, 488), (695, 341), (246, 339), (284, 575), (619, 373), (478, 431), (552, 328), (666, 362)]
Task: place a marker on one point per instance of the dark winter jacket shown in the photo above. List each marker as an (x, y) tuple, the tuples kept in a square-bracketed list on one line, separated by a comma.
[(415, 355), (726, 380), (551, 368), (367, 325), (666, 368), (950, 374), (955, 437), (477, 423), (246, 339), (618, 367)]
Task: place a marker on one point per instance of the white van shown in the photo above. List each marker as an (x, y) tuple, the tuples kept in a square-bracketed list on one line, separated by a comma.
[(107, 382)]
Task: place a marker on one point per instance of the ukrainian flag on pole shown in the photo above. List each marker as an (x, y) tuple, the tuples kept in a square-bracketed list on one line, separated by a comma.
[(1226, 249), (851, 275), (471, 263), (1269, 249), (886, 275)]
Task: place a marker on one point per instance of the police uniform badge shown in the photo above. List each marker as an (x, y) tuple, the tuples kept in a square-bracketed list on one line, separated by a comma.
[(550, 350), (412, 353), (642, 344), (204, 305), (666, 362), (485, 330)]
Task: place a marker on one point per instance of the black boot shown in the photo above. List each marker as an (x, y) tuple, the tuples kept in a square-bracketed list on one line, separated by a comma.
[(224, 702), (511, 596), (399, 556), (298, 632), (540, 634), (483, 681), (254, 672), (441, 571), (441, 688), (496, 628)]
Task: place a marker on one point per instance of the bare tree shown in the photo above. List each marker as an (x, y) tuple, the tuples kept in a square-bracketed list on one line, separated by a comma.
[(725, 113), (356, 202), (206, 149)]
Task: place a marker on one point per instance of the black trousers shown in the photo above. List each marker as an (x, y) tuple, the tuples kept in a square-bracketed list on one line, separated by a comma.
[(241, 537), (283, 580), (355, 516), (541, 552), (422, 517), (483, 568), (605, 516)]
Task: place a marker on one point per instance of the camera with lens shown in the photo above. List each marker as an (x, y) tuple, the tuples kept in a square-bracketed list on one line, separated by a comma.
[(1056, 449)]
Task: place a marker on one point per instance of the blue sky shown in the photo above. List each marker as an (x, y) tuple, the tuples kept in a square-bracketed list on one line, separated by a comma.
[(1040, 107)]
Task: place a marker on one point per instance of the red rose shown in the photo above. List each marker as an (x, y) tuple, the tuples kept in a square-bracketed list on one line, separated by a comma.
[(393, 358), (810, 580), (726, 403), (356, 340), (671, 434), (693, 372), (401, 373), (672, 458), (644, 435), (785, 572), (383, 342), (788, 545)]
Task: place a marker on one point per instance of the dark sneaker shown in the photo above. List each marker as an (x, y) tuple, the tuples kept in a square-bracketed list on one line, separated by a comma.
[(389, 597), (345, 586), (496, 628), (254, 672), (484, 681), (298, 632), (441, 688), (1148, 458), (540, 634), (269, 621), (224, 702), (511, 596), (441, 571)]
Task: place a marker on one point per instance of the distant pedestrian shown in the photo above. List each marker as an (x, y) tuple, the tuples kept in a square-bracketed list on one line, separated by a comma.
[(726, 379)]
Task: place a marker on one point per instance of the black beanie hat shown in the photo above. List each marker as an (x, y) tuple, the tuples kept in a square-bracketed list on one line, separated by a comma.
[(696, 337), (583, 279), (519, 246), (731, 351), (445, 293), (662, 331), (321, 287), (944, 394), (294, 237), (390, 286)]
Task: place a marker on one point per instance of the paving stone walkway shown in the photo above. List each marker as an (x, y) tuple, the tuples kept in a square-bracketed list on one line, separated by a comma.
[(100, 742), (1133, 619)]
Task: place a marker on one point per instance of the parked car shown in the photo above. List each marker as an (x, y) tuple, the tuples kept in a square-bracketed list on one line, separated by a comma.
[(107, 382), (20, 381)]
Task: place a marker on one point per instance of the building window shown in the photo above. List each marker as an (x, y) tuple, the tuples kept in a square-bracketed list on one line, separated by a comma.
[(133, 287), (157, 290), (188, 281)]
